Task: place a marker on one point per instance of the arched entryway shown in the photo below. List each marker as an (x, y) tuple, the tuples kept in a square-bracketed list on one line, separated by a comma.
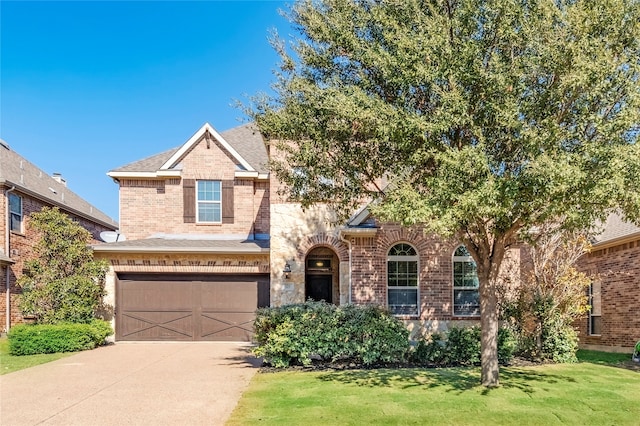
[(322, 275)]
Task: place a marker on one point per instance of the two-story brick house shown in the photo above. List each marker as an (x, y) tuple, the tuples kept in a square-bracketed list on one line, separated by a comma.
[(24, 189), (210, 237)]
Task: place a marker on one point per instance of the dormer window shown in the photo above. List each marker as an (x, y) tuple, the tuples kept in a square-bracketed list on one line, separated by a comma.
[(209, 201)]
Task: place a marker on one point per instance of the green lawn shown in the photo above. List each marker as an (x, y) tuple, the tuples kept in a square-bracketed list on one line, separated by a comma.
[(10, 363), (594, 392)]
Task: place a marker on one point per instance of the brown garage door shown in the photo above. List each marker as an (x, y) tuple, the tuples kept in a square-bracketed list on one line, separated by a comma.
[(188, 307)]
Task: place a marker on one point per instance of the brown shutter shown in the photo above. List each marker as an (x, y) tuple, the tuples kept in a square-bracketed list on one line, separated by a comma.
[(227, 201), (189, 200)]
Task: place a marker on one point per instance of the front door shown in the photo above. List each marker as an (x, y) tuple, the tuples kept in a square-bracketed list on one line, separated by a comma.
[(319, 287)]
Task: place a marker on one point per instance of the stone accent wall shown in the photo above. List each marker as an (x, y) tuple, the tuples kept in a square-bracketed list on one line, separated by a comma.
[(618, 271), (294, 233), (150, 206), (21, 249)]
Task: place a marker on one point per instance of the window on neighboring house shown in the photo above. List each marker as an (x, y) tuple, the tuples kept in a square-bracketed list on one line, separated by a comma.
[(15, 212), (595, 313), (402, 280), (466, 296), (209, 201)]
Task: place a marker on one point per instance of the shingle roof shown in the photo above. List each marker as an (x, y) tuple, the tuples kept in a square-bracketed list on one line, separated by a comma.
[(245, 139), (149, 164), (248, 141), (615, 228), (17, 171), (186, 246)]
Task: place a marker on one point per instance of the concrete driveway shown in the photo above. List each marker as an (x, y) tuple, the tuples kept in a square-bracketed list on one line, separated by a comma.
[(131, 384)]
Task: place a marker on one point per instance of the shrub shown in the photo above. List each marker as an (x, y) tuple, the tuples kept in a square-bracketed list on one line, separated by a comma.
[(463, 346), (301, 333), (460, 346), (559, 342), (63, 282), (430, 351), (51, 338), (507, 344)]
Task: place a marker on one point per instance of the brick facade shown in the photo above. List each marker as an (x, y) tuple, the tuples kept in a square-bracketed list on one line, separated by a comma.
[(21, 248), (617, 268), (152, 206)]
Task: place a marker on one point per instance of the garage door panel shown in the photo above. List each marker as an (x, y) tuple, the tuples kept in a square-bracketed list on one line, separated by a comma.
[(157, 326), (230, 296), (162, 295), (228, 326), (179, 307)]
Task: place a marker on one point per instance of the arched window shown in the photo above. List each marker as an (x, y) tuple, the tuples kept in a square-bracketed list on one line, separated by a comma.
[(466, 297), (402, 280)]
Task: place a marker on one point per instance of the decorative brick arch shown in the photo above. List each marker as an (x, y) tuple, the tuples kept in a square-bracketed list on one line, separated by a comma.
[(324, 240), (416, 237)]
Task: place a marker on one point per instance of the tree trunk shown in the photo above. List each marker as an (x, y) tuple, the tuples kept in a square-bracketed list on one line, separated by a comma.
[(489, 325)]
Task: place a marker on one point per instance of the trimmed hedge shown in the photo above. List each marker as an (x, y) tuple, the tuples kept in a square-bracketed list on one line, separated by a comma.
[(27, 339), (301, 333)]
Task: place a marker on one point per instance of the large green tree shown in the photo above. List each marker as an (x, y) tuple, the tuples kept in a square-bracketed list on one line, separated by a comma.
[(62, 283), (488, 117)]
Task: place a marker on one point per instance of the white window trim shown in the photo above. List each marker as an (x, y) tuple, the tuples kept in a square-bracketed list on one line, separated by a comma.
[(198, 202), (415, 258), (11, 213), (455, 259), (591, 315)]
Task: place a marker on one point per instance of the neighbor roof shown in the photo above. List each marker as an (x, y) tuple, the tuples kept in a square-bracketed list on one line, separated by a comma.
[(616, 229), (245, 143), (17, 171)]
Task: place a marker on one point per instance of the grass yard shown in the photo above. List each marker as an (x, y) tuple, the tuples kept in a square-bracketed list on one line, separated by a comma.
[(10, 363), (595, 391)]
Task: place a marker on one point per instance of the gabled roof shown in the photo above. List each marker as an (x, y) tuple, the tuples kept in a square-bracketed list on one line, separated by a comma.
[(243, 143), (27, 178)]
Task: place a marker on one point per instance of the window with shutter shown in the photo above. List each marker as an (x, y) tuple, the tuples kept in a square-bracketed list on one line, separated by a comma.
[(189, 200)]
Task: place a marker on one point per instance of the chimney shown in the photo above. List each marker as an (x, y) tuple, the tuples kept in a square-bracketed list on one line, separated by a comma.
[(58, 177)]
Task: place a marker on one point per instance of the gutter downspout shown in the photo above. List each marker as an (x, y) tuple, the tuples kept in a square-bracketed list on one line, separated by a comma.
[(6, 267), (350, 264)]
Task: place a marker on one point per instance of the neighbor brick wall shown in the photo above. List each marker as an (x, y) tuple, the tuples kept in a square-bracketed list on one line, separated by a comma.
[(21, 249), (618, 270), (149, 207)]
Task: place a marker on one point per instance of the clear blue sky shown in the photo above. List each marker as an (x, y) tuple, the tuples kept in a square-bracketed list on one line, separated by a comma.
[(88, 86)]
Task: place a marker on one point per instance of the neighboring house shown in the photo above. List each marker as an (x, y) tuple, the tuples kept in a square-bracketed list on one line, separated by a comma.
[(613, 323), (24, 189)]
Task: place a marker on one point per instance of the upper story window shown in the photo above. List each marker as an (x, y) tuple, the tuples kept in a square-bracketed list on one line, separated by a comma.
[(466, 296), (15, 212), (402, 280), (209, 201)]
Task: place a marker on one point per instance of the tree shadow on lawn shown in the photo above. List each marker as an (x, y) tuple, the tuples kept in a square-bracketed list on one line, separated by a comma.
[(452, 379)]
